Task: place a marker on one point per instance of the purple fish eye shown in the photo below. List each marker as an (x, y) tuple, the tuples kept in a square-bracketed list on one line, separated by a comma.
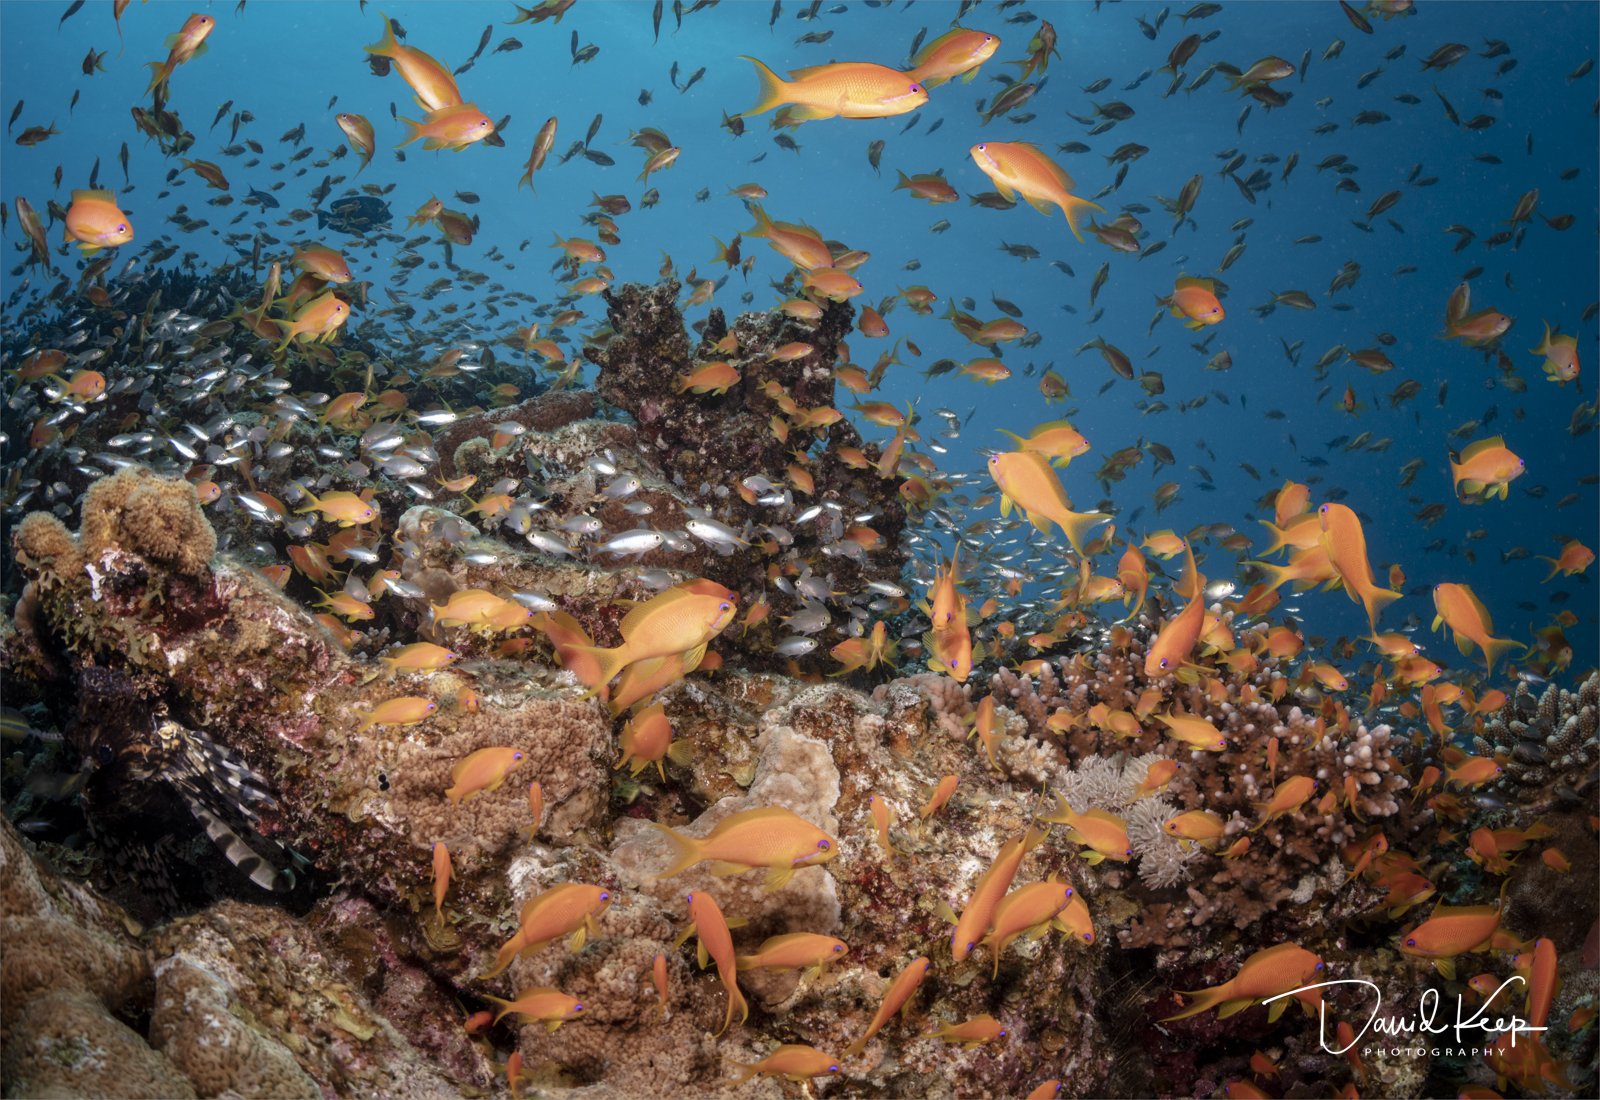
[(1319, 966), (982, 145), (516, 756), (1002, 1033), (1069, 891), (690, 899), (122, 228), (838, 947), (824, 844), (833, 1069), (916, 88), (577, 1008), (605, 895), (724, 605), (1411, 941), (1088, 937), (1163, 662)]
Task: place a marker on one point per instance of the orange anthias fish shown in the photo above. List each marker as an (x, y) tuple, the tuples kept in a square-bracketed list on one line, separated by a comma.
[(991, 887), (1176, 639), (1561, 356), (1346, 545), (1057, 440), (435, 88), (188, 43), (795, 951), (647, 739), (1485, 470), (1459, 608), (441, 878), (1196, 301), (681, 620), (1266, 974), (794, 1061), (95, 222), (319, 320), (571, 909), (957, 52), (1027, 482), (799, 244), (1101, 831), (1027, 911), (1575, 559), (843, 89), (895, 999), (715, 943), (1453, 930), (482, 771), (544, 1005), (770, 836), (449, 127), (1020, 168), (971, 1033)]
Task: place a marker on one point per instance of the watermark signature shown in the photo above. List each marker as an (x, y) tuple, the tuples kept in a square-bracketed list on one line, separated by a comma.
[(1425, 1022)]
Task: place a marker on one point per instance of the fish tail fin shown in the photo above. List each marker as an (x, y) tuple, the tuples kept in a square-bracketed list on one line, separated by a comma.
[(388, 45), (1375, 600), (1555, 567), (771, 93), (594, 666), (685, 851), (1494, 647), (1200, 1001), (902, 181), (1077, 526), (163, 73), (413, 130), (1073, 208), (763, 227)]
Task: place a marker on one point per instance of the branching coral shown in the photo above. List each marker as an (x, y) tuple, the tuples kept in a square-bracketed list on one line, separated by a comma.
[(1550, 744)]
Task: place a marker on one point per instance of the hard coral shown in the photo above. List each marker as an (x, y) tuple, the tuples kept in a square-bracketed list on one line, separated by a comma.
[(43, 541), (1550, 745), (154, 517)]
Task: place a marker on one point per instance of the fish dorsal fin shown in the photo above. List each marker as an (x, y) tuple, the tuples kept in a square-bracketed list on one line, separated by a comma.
[(635, 618), (1190, 280), (1044, 163), (99, 194), (1473, 450)]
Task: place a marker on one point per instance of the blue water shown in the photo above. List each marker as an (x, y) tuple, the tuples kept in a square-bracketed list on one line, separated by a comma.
[(284, 62)]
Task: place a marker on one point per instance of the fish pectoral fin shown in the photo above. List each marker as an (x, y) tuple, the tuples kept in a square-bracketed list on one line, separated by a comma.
[(1092, 857), (1446, 968), (1040, 205), (701, 956), (551, 1025), (1007, 192), (778, 877), (683, 937), (576, 941), (1277, 1009)]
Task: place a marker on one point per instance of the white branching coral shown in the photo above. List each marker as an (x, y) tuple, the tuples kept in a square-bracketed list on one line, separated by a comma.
[(1112, 783)]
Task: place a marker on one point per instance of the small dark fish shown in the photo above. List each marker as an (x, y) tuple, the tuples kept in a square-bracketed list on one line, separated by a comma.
[(221, 111), (1582, 70), (693, 80), (16, 113), (655, 20), (468, 197), (875, 153), (597, 157), (1357, 20), (483, 40), (94, 175), (1445, 56), (123, 157), (777, 10), (594, 128), (72, 9), (507, 45), (1098, 86)]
